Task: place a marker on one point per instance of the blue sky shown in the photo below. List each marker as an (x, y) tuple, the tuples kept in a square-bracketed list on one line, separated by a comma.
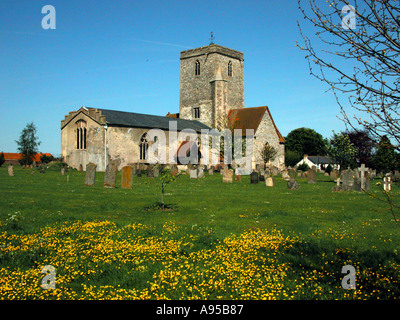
[(124, 55)]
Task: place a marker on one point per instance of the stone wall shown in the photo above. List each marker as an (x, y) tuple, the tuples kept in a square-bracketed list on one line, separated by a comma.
[(266, 133)]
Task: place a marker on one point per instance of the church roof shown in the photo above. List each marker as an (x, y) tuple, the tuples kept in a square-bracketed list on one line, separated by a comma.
[(140, 120), (250, 118)]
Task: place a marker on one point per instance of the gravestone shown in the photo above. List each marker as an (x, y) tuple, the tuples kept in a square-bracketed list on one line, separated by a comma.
[(275, 171), (193, 173), (11, 170), (261, 177), (228, 176), (269, 182), (363, 175), (201, 173), (292, 174), (254, 177), (210, 172), (338, 187), (285, 175), (347, 178), (156, 172), (90, 175), (387, 183), (238, 177), (126, 177), (150, 171), (110, 175), (366, 181), (311, 176), (292, 184), (62, 171), (80, 167)]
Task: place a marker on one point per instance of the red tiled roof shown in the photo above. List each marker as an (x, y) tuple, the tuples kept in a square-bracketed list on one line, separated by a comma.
[(18, 156), (250, 118)]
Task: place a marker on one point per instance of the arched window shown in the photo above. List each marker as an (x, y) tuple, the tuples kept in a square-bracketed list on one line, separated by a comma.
[(197, 68), (81, 134), (143, 146), (230, 68)]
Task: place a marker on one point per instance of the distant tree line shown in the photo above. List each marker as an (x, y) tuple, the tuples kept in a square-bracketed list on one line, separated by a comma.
[(349, 148)]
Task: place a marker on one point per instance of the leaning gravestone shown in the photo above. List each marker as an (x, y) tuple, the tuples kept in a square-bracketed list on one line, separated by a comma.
[(347, 179), (228, 176), (334, 174), (254, 177), (110, 175), (11, 170), (90, 175), (126, 177), (311, 176)]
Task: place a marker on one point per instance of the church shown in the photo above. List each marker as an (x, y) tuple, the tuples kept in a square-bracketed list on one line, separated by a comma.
[(211, 97)]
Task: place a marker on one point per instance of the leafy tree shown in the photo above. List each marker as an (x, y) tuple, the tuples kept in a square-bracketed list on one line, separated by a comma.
[(46, 159), (166, 178), (2, 160), (364, 144), (356, 52), (292, 158), (303, 167), (306, 141), (28, 144), (385, 158), (268, 153), (342, 151)]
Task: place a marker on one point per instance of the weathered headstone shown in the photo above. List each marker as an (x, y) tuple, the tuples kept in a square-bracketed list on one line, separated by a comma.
[(62, 171), (90, 175), (338, 187), (292, 174), (285, 175), (210, 172), (200, 173), (347, 178), (150, 171), (193, 173), (228, 176), (156, 172), (275, 171), (11, 170), (269, 182), (311, 176), (126, 177), (238, 177), (292, 184), (363, 175), (110, 175), (254, 177)]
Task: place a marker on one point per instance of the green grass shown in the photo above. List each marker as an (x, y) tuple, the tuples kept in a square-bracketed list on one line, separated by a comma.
[(330, 229)]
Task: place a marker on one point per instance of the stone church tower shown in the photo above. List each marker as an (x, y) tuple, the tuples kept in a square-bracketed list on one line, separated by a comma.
[(211, 84)]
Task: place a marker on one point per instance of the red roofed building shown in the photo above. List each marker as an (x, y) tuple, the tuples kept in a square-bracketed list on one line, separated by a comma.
[(13, 158)]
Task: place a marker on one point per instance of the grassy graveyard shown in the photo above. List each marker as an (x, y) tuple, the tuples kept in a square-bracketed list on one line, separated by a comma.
[(215, 241)]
